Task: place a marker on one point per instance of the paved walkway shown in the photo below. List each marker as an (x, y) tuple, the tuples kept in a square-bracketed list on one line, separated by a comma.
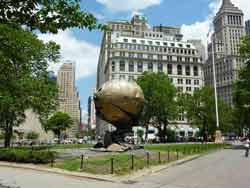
[(224, 169)]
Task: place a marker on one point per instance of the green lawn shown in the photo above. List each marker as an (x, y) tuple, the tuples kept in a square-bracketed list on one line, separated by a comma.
[(124, 164)]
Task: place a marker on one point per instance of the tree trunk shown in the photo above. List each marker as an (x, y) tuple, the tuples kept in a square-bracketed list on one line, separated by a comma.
[(146, 132), (205, 132), (58, 136), (7, 136), (164, 133)]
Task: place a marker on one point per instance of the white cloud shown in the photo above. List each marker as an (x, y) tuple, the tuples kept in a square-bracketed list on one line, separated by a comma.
[(199, 30), (84, 54), (128, 5)]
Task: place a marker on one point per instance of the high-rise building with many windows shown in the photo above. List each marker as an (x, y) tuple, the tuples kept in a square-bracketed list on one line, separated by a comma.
[(228, 31), (130, 48), (69, 101)]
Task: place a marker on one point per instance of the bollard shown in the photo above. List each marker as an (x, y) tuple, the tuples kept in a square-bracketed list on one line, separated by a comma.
[(81, 167), (132, 162), (147, 159), (112, 166)]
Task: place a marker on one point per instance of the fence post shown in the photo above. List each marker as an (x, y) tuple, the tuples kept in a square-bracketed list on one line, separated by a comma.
[(112, 166), (168, 155), (177, 152), (159, 157), (132, 162), (147, 159), (81, 167)]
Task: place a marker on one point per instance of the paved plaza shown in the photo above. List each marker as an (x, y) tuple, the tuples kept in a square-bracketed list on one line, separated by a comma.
[(223, 169)]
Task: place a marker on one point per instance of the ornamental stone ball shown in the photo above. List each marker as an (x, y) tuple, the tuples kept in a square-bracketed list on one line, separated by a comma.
[(119, 102)]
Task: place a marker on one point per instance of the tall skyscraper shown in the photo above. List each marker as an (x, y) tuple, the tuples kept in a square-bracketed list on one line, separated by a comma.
[(248, 27), (130, 48), (228, 30), (69, 101), (91, 113)]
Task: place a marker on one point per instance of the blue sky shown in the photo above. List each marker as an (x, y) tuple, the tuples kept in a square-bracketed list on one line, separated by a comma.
[(193, 16)]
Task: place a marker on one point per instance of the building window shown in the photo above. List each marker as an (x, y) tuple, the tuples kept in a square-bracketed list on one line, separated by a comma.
[(188, 82), (122, 77), (113, 66), (187, 70), (139, 67), (196, 73), (180, 89), (170, 69), (139, 55), (188, 89), (160, 67), (122, 66), (150, 67), (150, 56), (179, 69), (180, 81), (196, 82), (133, 41), (130, 78), (159, 57), (131, 67)]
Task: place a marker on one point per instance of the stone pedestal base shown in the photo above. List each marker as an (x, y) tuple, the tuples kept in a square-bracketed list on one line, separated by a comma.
[(218, 137)]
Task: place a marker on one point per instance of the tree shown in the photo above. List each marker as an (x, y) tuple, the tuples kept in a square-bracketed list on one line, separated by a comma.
[(32, 136), (47, 15), (200, 109), (58, 122), (24, 81), (241, 92), (160, 107)]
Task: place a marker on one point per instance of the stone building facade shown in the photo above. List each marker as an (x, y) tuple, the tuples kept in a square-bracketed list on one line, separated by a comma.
[(130, 48), (69, 101), (247, 25), (228, 31)]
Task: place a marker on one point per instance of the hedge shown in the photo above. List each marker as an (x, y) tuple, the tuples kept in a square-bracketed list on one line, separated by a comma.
[(27, 156)]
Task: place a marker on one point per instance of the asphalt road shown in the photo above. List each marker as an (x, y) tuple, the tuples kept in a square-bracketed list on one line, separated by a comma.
[(223, 169)]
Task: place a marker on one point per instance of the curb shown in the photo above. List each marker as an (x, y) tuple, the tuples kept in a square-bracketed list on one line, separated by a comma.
[(155, 169), (108, 178), (58, 171)]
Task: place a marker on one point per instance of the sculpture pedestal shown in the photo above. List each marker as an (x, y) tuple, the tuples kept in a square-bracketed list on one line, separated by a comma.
[(218, 137)]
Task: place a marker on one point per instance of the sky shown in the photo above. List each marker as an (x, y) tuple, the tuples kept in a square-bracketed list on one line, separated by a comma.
[(82, 46)]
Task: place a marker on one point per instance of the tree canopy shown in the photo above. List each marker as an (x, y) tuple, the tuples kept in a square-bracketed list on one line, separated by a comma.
[(242, 88), (160, 105), (200, 109), (24, 81), (59, 122), (47, 15)]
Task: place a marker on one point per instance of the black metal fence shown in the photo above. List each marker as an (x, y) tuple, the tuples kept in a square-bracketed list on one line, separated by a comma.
[(124, 163)]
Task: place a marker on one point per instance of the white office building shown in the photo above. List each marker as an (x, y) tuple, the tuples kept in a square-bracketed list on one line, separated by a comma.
[(130, 48)]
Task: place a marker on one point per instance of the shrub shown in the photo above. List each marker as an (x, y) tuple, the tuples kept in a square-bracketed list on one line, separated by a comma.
[(32, 136), (26, 156)]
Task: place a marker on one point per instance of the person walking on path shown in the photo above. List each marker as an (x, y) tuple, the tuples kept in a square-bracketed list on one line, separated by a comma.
[(247, 147)]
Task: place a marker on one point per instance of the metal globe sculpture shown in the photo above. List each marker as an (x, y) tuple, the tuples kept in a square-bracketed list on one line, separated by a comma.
[(119, 103)]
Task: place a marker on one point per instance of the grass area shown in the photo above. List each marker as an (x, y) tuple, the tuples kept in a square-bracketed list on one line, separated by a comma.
[(125, 163), (122, 164), (55, 146)]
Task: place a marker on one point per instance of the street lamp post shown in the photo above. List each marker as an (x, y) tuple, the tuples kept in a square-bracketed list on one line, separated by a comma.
[(218, 137)]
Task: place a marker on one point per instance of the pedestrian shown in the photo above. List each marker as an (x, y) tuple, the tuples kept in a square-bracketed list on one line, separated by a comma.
[(247, 147)]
